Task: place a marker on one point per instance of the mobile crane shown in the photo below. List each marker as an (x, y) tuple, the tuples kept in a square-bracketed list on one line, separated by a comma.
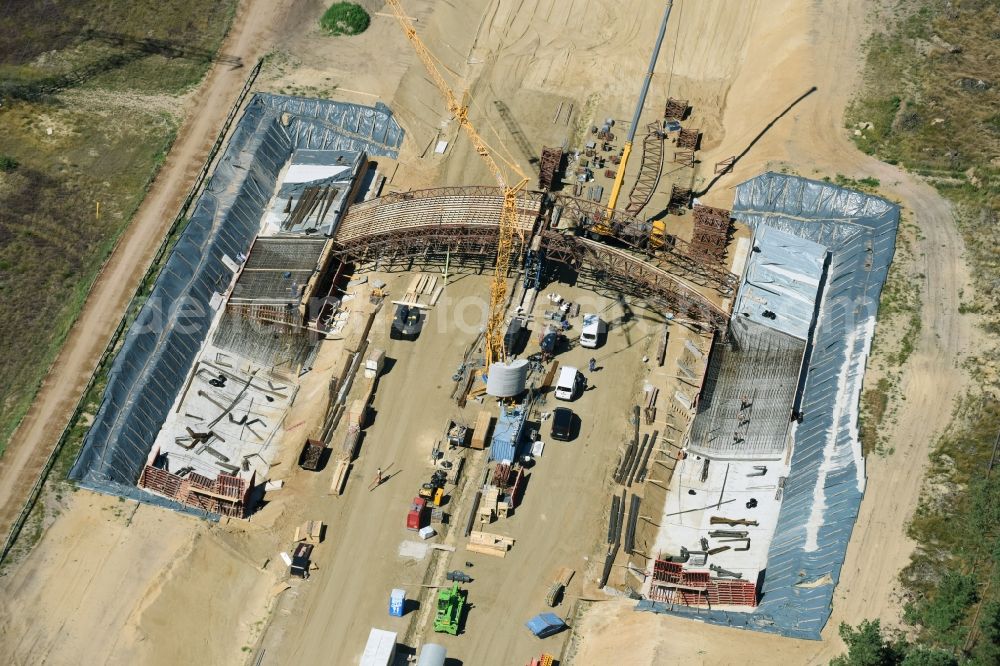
[(604, 226), (493, 339)]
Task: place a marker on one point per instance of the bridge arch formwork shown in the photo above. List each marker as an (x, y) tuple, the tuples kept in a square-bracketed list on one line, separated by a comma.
[(461, 223)]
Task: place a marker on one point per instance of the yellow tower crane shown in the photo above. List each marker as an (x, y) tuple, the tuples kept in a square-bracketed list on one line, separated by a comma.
[(604, 227), (494, 347)]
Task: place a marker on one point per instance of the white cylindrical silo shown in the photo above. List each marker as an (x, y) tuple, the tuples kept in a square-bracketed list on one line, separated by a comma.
[(505, 380), (432, 654)]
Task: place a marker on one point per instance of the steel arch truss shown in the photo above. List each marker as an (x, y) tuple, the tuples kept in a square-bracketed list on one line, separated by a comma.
[(632, 275), (430, 241)]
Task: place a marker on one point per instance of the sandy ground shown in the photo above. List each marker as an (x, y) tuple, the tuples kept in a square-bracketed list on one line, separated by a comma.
[(740, 64), (116, 582), (332, 612)]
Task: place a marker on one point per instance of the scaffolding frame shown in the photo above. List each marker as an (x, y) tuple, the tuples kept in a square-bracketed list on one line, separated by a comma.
[(668, 253), (673, 584), (548, 169), (675, 109), (711, 232), (464, 221), (680, 199), (684, 157), (443, 206), (617, 268), (631, 275), (688, 139), (225, 495)]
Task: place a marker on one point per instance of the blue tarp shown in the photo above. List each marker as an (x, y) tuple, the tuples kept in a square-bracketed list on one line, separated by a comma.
[(545, 624)]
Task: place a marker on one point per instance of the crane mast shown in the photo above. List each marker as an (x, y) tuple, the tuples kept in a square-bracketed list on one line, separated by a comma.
[(493, 338), (627, 149)]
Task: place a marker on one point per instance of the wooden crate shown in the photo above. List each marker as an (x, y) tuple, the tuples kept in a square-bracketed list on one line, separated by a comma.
[(310, 531)]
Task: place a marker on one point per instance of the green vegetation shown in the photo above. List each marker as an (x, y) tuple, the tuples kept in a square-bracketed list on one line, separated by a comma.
[(89, 91), (869, 646), (899, 325), (54, 242), (344, 18), (868, 184), (874, 404), (930, 105), (953, 574), (121, 45)]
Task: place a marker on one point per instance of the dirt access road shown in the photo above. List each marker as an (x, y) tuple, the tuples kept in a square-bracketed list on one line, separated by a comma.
[(253, 32)]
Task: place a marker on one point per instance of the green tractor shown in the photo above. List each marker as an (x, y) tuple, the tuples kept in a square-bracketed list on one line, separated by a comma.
[(450, 604)]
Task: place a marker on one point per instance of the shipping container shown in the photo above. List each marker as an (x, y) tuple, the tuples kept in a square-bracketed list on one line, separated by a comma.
[(380, 649), (397, 602), (507, 434)]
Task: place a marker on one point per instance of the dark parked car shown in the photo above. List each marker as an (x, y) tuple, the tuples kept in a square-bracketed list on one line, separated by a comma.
[(552, 344), (459, 576), (407, 323), (563, 424)]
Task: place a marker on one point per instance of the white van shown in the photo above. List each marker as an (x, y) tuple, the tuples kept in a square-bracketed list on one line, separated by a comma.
[(594, 329), (569, 383)]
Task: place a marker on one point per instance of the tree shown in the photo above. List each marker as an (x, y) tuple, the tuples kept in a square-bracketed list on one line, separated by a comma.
[(942, 615), (866, 646), (921, 656), (345, 18), (987, 648)]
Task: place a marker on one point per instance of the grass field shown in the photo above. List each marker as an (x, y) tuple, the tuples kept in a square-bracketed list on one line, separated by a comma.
[(91, 94)]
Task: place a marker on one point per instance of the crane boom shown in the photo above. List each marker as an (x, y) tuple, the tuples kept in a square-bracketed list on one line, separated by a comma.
[(493, 347), (627, 149)]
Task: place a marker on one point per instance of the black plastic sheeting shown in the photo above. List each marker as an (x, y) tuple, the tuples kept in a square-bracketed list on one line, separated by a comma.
[(162, 344)]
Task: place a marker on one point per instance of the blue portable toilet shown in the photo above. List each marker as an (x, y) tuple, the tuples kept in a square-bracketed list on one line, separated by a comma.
[(397, 602)]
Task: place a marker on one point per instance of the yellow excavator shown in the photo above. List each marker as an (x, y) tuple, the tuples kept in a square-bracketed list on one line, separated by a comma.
[(494, 347), (603, 226)]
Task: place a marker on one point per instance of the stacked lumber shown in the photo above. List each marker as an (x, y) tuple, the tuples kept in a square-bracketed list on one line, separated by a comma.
[(310, 531), (422, 285), (340, 470), (649, 411), (481, 430), (489, 544)]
